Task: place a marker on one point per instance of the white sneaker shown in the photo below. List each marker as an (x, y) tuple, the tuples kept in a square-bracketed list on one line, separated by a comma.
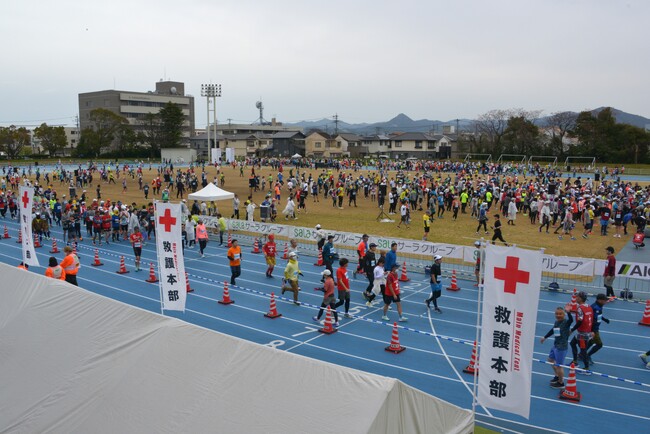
[(369, 303)]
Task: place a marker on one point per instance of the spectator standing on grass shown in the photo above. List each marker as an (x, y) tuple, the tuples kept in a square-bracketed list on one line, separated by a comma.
[(561, 330), (392, 294), (404, 215)]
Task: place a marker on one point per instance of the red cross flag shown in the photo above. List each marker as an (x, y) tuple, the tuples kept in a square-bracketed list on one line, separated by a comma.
[(26, 204), (510, 298), (171, 264)]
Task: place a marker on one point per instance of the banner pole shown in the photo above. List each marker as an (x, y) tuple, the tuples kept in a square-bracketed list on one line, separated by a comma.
[(160, 285), (478, 324)]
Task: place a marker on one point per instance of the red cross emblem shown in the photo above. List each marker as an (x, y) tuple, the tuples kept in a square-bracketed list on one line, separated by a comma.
[(511, 275), (25, 200), (167, 220)]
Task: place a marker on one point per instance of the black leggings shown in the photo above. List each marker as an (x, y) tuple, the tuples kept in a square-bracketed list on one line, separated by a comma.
[(482, 223), (202, 244), (344, 299)]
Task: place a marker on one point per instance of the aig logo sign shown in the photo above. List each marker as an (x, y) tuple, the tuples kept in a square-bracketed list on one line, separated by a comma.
[(635, 270)]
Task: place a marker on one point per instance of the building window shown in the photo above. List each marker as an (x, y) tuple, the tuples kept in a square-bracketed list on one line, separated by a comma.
[(431, 145), (418, 144), (89, 103), (338, 144), (317, 145), (398, 144)]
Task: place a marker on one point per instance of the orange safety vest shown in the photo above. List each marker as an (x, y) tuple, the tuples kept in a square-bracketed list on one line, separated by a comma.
[(55, 272), (70, 266)]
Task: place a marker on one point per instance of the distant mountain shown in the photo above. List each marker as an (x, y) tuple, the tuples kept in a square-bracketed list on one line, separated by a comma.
[(403, 123), (626, 118)]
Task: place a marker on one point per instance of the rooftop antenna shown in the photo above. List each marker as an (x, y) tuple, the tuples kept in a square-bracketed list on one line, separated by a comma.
[(260, 107)]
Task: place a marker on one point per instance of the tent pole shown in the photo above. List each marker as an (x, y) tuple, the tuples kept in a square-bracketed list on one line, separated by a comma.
[(478, 324)]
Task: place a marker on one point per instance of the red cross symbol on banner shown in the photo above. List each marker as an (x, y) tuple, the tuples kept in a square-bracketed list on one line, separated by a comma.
[(25, 200), (167, 220), (511, 275)]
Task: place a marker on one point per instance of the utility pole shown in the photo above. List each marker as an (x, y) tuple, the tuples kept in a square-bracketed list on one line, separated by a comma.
[(336, 124), (76, 118)]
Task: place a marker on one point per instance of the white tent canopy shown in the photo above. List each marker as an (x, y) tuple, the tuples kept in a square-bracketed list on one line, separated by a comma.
[(296, 156), (77, 362), (211, 192)]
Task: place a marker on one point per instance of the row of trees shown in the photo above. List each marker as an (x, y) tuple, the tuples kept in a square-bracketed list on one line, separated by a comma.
[(518, 131), (156, 131), (108, 133)]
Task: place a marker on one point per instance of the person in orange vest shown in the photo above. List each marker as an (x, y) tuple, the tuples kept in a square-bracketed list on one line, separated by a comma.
[(23, 266), (202, 237), (55, 271), (70, 265), (235, 257)]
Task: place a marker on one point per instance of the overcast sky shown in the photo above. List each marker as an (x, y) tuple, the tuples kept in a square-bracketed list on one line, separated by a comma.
[(365, 60)]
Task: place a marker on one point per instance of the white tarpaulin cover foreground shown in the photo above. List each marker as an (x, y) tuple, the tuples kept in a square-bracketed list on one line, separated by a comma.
[(211, 192), (76, 362)]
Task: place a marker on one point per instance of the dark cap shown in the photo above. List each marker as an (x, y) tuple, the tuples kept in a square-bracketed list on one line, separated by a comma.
[(330, 237), (610, 249), (372, 245), (601, 297)]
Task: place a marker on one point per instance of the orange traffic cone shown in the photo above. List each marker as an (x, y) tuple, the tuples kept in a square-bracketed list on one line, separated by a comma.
[(256, 246), (570, 392), (394, 346), (122, 269), (6, 234), (320, 262), (328, 328), (97, 262), (454, 283), (572, 306), (55, 248), (645, 321), (226, 296), (404, 277), (37, 243), (152, 275), (473, 362), (286, 251), (187, 283), (229, 239), (20, 236), (273, 310)]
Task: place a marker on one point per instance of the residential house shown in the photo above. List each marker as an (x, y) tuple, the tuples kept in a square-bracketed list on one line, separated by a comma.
[(323, 145)]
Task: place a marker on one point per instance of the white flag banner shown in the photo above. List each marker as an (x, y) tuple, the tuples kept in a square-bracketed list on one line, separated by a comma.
[(171, 264), (511, 295), (26, 202)]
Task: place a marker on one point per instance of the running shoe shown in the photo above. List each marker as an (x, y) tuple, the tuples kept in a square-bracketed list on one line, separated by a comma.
[(385, 318), (557, 385), (403, 319)]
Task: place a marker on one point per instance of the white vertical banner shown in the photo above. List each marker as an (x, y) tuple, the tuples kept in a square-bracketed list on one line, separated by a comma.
[(511, 295), (26, 202), (171, 264)]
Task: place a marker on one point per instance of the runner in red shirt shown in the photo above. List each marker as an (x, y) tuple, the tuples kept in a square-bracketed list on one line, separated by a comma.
[(136, 242), (391, 294), (343, 285), (328, 298), (584, 325), (269, 249)]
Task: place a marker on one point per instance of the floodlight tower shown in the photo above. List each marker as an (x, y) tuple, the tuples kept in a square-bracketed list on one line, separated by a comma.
[(212, 92), (260, 107)]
